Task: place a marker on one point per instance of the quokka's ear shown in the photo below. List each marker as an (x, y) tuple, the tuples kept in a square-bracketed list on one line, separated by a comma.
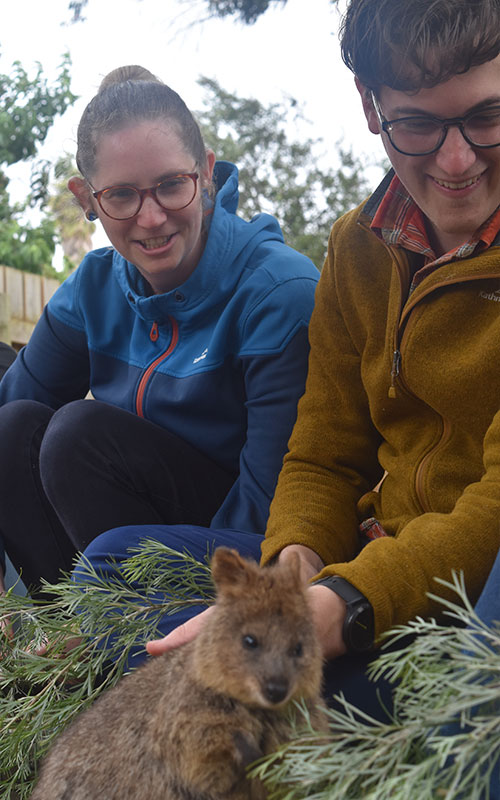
[(230, 571), (290, 571)]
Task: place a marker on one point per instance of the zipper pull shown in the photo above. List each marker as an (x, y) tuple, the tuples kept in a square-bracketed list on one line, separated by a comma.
[(153, 334), (396, 365)]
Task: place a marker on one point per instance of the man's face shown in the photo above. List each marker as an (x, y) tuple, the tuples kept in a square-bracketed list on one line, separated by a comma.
[(457, 187)]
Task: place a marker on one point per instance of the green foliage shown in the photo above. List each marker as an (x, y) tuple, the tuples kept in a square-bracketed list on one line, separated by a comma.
[(40, 692), (445, 736), (28, 107), (28, 248), (277, 175), (22, 245), (74, 231), (447, 676)]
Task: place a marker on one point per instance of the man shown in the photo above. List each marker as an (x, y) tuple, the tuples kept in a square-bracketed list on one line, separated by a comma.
[(403, 384), (393, 473)]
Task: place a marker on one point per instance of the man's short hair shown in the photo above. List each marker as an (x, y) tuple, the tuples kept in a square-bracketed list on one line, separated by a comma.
[(412, 44)]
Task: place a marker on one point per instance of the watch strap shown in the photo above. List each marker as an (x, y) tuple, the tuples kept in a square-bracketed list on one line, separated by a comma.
[(346, 590), (358, 628)]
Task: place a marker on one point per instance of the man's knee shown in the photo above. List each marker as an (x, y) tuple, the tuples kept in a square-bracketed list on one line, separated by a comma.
[(115, 544)]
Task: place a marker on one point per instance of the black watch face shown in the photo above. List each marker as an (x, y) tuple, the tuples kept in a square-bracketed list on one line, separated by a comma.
[(361, 629)]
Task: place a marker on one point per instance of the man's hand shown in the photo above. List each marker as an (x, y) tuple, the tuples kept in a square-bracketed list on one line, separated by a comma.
[(310, 562), (328, 610), (327, 607), (182, 635)]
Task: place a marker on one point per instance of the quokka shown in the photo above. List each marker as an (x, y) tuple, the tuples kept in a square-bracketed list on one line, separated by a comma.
[(186, 724)]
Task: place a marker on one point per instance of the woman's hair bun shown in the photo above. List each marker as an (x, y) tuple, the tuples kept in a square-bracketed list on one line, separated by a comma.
[(133, 72)]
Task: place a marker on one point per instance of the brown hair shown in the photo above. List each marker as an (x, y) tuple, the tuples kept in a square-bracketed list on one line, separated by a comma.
[(133, 94), (412, 44)]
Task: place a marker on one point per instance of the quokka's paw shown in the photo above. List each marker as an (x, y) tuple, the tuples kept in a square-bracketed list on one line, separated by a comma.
[(247, 748)]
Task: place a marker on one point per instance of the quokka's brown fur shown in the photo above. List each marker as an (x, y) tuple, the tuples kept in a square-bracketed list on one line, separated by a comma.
[(186, 724)]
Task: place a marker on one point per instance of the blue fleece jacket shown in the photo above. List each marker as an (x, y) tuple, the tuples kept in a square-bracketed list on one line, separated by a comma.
[(220, 361)]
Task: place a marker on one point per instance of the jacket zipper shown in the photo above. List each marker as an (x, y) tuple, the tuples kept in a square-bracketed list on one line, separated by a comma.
[(396, 370), (422, 467), (402, 267), (139, 401), (397, 356)]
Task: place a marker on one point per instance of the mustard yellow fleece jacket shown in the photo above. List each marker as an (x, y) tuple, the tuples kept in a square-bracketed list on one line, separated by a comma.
[(428, 419)]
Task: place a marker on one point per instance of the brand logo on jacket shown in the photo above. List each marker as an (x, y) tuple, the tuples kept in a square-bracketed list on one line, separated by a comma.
[(204, 355), (495, 296)]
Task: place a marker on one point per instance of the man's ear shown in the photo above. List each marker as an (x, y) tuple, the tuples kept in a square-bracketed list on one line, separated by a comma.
[(80, 188), (366, 99)]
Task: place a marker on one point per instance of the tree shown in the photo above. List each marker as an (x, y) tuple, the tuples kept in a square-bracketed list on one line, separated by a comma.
[(28, 107), (247, 11), (74, 231), (277, 175)]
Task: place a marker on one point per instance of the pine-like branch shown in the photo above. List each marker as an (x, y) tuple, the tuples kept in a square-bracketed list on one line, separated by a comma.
[(40, 692), (442, 744), (444, 740)]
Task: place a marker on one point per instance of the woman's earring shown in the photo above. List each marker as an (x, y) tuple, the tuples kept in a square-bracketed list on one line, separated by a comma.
[(91, 216)]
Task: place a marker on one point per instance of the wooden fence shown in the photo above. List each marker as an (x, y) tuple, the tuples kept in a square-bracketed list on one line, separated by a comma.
[(23, 296)]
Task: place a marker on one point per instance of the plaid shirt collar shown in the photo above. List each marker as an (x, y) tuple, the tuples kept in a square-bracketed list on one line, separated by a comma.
[(399, 221)]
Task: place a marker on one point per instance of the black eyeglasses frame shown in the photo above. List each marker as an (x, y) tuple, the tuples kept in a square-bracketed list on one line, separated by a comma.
[(458, 122)]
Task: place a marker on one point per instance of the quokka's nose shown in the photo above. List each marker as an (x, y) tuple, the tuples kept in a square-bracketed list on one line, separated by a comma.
[(275, 690)]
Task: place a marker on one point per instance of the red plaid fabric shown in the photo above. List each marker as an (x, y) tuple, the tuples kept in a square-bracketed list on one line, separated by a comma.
[(399, 221)]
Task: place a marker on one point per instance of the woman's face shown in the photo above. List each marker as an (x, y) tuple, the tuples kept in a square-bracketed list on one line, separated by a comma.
[(165, 246)]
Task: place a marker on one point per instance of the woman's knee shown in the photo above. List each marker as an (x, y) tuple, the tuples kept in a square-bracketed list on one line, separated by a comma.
[(20, 415), (72, 428), (22, 426)]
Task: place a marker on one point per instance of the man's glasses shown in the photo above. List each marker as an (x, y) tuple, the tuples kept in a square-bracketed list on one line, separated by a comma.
[(172, 194), (422, 135)]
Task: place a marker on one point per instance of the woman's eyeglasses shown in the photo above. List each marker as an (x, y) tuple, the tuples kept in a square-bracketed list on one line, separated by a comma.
[(172, 194)]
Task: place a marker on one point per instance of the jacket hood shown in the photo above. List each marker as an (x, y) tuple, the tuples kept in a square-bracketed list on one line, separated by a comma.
[(231, 243)]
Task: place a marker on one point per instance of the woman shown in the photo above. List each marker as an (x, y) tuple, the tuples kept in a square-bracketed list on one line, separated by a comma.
[(190, 332)]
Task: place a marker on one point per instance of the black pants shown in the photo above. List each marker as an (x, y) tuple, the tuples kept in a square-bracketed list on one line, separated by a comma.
[(7, 356), (69, 475)]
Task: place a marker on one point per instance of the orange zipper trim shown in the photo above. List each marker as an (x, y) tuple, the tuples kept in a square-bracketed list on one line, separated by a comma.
[(145, 378)]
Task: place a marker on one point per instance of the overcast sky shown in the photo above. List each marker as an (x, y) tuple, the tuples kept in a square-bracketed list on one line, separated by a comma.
[(291, 50)]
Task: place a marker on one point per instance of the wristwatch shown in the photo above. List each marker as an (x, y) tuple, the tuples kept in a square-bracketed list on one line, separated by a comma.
[(358, 628)]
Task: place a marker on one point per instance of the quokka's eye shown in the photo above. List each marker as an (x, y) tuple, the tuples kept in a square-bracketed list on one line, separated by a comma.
[(298, 650), (250, 642)]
